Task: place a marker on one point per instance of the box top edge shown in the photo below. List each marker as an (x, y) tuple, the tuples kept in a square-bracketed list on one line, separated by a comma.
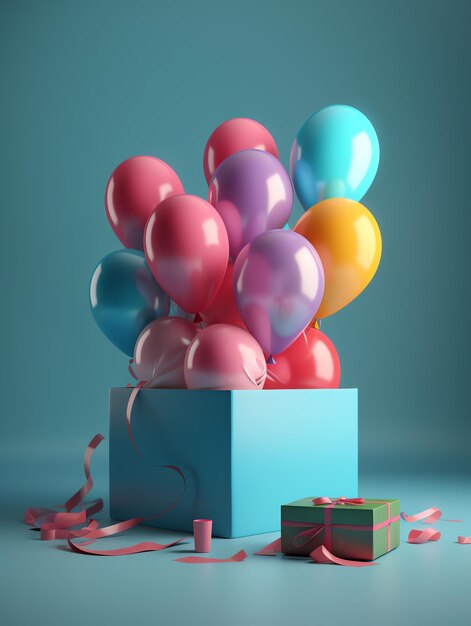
[(245, 391)]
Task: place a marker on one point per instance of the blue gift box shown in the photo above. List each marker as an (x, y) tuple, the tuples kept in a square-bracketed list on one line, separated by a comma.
[(243, 453)]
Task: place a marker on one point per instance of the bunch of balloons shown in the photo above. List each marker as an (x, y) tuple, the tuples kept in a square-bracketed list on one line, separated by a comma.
[(218, 293)]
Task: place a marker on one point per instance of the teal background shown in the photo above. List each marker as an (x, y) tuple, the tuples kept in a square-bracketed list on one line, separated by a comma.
[(85, 85)]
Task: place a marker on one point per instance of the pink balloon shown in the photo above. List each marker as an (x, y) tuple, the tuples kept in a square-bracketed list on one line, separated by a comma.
[(224, 357), (133, 191), (232, 136), (159, 355), (223, 309), (186, 246)]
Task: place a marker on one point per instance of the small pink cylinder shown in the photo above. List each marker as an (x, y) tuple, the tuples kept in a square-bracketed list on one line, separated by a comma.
[(202, 529)]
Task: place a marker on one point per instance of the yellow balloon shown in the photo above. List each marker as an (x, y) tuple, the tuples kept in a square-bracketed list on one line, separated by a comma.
[(348, 241)]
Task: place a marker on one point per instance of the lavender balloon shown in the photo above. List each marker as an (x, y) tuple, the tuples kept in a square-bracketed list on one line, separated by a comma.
[(279, 284), (252, 193)]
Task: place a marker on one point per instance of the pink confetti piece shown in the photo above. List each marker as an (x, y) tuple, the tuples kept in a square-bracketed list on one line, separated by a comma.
[(238, 557), (464, 540)]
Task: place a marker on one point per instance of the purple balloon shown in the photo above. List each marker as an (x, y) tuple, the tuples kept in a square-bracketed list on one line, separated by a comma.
[(279, 284), (252, 192)]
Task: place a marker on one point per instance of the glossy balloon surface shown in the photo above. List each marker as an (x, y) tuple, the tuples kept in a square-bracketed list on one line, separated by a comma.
[(125, 297), (133, 191), (187, 250), (159, 355), (348, 241), (279, 283), (252, 192), (223, 309), (335, 155), (311, 362), (224, 357), (237, 134)]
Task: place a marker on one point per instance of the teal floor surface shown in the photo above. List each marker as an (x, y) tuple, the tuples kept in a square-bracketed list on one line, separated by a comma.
[(44, 583)]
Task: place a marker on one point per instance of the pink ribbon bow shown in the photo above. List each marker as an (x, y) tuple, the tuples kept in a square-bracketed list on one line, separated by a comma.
[(341, 500)]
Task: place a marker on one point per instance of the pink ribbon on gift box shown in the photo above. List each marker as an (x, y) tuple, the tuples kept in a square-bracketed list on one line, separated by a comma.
[(314, 528)]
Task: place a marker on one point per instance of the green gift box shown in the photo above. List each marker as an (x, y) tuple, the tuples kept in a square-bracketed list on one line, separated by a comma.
[(359, 528)]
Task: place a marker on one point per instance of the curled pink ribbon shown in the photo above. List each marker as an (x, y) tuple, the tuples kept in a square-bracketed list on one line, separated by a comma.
[(322, 555), (58, 524), (464, 540), (131, 369), (428, 516), (238, 557), (422, 536)]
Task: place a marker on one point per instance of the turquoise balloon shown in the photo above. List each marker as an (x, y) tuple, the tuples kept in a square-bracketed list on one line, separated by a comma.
[(125, 297), (335, 155)]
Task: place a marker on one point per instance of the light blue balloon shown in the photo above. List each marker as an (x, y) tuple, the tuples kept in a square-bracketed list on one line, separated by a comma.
[(125, 297), (335, 155)]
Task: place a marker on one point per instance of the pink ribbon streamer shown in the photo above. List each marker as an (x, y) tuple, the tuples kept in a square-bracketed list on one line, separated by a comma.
[(145, 546), (322, 555), (58, 524), (238, 557), (429, 516), (272, 549), (422, 536), (131, 369)]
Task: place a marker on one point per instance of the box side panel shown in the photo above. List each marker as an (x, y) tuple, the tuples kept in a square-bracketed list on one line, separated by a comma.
[(289, 444), (189, 429)]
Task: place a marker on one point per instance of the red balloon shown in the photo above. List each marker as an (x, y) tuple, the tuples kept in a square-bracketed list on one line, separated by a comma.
[(311, 362), (223, 309), (186, 246), (133, 191), (232, 136)]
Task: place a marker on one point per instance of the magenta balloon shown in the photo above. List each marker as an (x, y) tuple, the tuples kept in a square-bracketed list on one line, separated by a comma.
[(252, 193), (279, 284), (159, 355), (133, 191), (186, 245), (224, 357)]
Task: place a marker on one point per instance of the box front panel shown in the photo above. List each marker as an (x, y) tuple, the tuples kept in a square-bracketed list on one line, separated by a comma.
[(189, 429)]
